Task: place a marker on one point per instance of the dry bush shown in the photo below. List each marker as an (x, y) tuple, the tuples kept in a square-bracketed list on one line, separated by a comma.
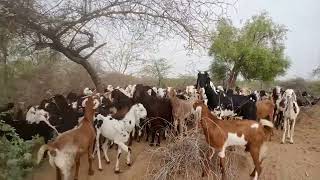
[(181, 82), (182, 158)]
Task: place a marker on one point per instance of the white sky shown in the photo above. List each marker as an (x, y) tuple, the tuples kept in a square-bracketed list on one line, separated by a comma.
[(303, 39)]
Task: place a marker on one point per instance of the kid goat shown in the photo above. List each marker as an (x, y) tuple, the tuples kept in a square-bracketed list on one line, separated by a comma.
[(67, 149), (291, 111), (181, 111), (220, 134), (118, 131)]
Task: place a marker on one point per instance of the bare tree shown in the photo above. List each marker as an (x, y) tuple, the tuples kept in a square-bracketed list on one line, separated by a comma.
[(124, 57), (316, 72), (157, 68), (72, 27)]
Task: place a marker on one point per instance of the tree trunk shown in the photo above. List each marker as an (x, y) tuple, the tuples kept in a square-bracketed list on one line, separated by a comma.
[(232, 79), (83, 62), (93, 74)]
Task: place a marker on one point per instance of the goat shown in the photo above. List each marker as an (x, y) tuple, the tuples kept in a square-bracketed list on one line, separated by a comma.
[(265, 109), (67, 149), (159, 112), (278, 110), (181, 111), (118, 132), (61, 114), (241, 105), (220, 134), (291, 111), (26, 129)]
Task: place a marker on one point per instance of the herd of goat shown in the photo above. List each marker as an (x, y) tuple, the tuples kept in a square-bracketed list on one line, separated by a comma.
[(85, 124)]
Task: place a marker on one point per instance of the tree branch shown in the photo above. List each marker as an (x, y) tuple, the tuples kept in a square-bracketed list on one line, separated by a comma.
[(94, 50), (88, 45)]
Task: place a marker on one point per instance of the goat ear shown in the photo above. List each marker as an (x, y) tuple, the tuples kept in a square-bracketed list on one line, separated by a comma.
[(294, 96), (84, 102), (96, 104)]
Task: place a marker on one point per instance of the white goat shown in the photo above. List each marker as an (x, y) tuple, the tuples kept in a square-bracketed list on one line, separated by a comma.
[(291, 111), (118, 131), (35, 115)]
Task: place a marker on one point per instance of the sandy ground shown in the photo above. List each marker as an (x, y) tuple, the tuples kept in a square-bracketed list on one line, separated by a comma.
[(297, 161)]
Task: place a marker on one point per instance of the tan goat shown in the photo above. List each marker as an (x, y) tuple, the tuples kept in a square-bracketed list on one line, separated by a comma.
[(265, 108), (67, 149), (181, 111)]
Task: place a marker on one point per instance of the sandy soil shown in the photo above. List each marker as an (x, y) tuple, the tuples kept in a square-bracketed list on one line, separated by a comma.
[(297, 161)]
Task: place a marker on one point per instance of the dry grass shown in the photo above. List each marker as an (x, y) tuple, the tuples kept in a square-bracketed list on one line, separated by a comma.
[(182, 158)]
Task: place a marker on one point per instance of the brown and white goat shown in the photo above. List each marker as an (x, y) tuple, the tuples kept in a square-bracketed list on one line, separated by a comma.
[(67, 149), (181, 111), (220, 134), (265, 109)]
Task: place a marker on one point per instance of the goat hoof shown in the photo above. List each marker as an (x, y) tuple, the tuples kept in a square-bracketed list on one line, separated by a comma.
[(151, 144), (291, 142), (91, 172), (157, 144), (117, 171), (282, 142), (107, 162), (128, 164), (100, 169)]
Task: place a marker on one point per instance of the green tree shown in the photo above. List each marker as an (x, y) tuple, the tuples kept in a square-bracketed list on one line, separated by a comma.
[(219, 72), (255, 51), (158, 69)]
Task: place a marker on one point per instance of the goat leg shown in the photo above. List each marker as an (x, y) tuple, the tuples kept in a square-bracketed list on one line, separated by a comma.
[(105, 148), (130, 139), (158, 136), (292, 131), (222, 155), (147, 133), (117, 169), (98, 150), (257, 164), (90, 172), (139, 135), (58, 174), (153, 135), (77, 166)]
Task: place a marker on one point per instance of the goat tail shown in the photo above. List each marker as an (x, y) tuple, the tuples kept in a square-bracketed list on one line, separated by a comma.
[(263, 152), (266, 123), (51, 152), (267, 128), (198, 116)]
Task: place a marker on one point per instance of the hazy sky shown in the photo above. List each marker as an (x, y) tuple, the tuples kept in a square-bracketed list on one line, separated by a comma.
[(302, 18)]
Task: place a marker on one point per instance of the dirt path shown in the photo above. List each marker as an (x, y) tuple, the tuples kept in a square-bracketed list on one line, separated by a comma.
[(297, 161)]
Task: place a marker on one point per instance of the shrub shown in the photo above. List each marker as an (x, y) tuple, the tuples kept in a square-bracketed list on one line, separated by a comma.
[(15, 154)]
